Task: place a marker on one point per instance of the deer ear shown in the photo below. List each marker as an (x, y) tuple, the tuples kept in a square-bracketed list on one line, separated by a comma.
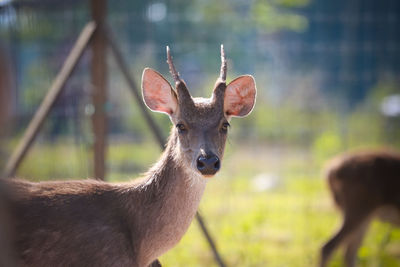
[(240, 96), (158, 93)]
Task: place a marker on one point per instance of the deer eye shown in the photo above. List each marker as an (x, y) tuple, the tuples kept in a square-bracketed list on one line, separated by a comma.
[(224, 127), (181, 128)]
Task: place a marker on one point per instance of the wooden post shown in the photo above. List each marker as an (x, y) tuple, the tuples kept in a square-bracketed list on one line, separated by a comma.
[(99, 88)]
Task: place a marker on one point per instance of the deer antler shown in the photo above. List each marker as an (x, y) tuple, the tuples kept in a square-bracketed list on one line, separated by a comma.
[(220, 85), (223, 64), (172, 69), (181, 89)]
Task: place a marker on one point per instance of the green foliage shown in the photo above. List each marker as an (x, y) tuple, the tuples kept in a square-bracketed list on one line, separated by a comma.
[(267, 16), (326, 146), (324, 128), (366, 124), (291, 3), (36, 85), (270, 18)]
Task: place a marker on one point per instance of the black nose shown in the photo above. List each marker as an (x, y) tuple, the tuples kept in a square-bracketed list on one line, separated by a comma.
[(208, 165)]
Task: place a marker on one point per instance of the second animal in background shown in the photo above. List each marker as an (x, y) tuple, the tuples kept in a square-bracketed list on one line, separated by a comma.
[(364, 186)]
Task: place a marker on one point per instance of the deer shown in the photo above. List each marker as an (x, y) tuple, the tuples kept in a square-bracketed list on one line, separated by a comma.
[(364, 185), (6, 230), (95, 223)]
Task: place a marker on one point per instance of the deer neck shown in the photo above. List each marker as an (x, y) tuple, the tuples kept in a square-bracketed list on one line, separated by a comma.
[(172, 195), (172, 172)]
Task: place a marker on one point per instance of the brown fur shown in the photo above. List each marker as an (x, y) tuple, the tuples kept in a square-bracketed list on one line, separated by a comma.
[(363, 185), (7, 256), (93, 223)]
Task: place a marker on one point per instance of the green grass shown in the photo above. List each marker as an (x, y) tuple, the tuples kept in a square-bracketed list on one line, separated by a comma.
[(282, 226), (64, 160)]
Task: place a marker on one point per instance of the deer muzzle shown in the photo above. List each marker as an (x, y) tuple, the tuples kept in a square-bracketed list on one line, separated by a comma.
[(208, 165)]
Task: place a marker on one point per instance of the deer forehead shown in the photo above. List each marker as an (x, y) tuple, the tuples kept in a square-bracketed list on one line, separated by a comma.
[(203, 112)]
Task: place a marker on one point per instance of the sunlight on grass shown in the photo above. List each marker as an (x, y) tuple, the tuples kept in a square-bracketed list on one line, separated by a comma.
[(284, 226)]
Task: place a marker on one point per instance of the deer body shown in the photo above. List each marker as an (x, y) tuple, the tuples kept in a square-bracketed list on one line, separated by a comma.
[(93, 223), (364, 186), (112, 224)]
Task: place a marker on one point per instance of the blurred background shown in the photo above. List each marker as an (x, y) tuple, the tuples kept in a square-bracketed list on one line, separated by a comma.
[(328, 81)]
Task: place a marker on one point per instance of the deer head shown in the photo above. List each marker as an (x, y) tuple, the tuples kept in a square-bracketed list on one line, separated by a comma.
[(201, 124)]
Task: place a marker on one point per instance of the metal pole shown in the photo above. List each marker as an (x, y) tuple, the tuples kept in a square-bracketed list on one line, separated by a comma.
[(134, 90), (48, 102), (99, 89), (210, 240)]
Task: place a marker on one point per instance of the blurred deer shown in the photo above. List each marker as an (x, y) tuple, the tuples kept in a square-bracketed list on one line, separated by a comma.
[(364, 186), (7, 256), (94, 223)]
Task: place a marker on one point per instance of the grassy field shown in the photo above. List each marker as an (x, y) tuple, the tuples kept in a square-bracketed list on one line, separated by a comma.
[(268, 206), (282, 225)]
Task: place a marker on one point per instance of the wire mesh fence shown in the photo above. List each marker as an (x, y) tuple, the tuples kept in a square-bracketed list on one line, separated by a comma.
[(327, 76)]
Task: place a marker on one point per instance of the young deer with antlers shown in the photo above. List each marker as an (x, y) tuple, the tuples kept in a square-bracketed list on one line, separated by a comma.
[(363, 185), (93, 223)]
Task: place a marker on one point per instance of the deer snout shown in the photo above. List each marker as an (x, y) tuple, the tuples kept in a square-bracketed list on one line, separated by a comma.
[(208, 164)]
